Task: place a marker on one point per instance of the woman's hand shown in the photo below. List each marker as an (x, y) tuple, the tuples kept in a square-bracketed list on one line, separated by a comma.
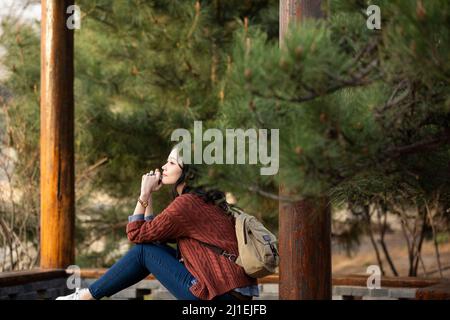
[(150, 183)]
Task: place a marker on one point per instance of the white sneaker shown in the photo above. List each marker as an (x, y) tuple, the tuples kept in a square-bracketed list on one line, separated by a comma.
[(73, 296)]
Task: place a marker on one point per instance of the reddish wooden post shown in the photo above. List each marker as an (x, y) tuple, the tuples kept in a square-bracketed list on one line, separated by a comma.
[(57, 137), (304, 226)]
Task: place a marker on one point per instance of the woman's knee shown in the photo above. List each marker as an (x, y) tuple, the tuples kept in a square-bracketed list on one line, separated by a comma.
[(157, 250)]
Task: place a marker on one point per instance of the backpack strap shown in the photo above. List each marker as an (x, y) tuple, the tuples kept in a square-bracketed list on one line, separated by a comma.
[(232, 211), (219, 251)]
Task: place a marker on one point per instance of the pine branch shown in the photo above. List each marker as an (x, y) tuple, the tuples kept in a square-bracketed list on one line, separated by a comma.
[(369, 48), (273, 196), (391, 102), (422, 146), (109, 24), (357, 79), (91, 169)]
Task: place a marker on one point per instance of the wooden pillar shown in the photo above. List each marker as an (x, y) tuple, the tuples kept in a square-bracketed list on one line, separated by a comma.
[(57, 219), (295, 11), (304, 226)]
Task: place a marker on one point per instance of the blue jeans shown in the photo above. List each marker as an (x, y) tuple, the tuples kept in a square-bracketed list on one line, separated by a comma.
[(142, 260)]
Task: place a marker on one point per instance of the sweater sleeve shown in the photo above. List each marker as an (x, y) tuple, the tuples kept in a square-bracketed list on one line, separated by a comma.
[(165, 226)]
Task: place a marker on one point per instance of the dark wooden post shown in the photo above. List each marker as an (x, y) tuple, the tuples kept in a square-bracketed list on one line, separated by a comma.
[(56, 142), (304, 226)]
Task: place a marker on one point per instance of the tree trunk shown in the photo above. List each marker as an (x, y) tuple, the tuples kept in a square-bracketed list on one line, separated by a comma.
[(56, 142), (305, 250), (305, 226), (297, 10)]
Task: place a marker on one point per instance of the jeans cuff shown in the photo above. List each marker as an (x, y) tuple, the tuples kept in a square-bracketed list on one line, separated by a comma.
[(91, 291)]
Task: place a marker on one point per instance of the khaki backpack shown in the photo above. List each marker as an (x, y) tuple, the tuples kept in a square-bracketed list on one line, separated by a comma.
[(258, 253)]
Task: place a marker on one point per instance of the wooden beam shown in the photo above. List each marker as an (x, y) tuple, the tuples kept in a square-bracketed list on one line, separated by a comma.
[(356, 280), (440, 291), (15, 278), (304, 226), (386, 282), (56, 141)]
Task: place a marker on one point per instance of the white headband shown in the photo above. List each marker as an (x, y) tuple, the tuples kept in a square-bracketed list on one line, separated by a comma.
[(175, 154)]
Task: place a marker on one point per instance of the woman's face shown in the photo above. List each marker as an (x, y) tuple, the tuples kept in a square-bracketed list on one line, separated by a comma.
[(171, 170)]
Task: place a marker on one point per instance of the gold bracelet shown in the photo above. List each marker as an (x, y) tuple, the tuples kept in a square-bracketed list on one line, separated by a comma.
[(143, 203)]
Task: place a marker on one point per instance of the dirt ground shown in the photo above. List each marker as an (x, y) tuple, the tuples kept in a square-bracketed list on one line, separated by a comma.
[(365, 256)]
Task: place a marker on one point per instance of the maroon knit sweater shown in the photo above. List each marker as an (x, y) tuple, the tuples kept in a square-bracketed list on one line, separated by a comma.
[(187, 219)]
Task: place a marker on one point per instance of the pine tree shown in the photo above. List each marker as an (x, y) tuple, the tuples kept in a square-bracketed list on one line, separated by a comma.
[(142, 69), (363, 114)]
